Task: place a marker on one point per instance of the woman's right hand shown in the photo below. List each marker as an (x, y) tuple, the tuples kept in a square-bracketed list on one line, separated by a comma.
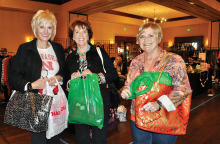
[(124, 93), (40, 83), (75, 75)]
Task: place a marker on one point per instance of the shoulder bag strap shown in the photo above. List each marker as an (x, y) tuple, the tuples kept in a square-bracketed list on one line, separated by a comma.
[(169, 55), (100, 55)]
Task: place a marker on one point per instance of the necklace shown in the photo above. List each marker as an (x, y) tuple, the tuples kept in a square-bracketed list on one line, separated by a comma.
[(83, 54)]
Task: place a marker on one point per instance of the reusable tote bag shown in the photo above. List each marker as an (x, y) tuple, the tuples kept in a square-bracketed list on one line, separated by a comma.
[(85, 101), (148, 87), (58, 118)]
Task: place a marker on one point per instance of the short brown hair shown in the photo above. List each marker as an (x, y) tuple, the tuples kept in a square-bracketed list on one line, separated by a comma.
[(155, 27), (81, 24)]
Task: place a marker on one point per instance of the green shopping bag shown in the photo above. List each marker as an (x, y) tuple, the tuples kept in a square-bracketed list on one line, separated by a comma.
[(149, 79), (85, 101)]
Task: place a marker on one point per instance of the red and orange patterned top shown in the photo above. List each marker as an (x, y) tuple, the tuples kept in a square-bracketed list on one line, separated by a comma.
[(175, 67)]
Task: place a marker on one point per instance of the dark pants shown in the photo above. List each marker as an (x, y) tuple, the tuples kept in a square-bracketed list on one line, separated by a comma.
[(99, 136), (145, 137), (40, 138), (218, 71)]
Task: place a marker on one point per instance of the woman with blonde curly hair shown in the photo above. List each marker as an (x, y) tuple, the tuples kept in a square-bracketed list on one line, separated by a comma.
[(38, 62)]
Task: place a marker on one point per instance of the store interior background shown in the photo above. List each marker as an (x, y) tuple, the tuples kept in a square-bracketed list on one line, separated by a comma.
[(186, 19), (113, 23)]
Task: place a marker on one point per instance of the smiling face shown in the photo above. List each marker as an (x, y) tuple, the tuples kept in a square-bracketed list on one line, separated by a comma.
[(44, 31), (80, 36), (148, 40)]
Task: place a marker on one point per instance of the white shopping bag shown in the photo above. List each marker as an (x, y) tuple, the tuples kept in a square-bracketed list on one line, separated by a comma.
[(58, 118)]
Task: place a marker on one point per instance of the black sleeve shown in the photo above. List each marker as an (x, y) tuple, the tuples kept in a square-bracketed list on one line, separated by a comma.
[(67, 73), (62, 69), (111, 73), (16, 74), (70, 66)]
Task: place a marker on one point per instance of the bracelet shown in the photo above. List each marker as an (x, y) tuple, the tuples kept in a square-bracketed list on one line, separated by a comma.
[(160, 105), (29, 87)]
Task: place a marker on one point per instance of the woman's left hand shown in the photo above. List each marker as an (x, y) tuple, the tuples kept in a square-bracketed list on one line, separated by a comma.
[(151, 107), (85, 72)]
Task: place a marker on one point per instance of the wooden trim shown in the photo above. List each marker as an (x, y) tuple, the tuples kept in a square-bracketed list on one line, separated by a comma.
[(125, 14), (101, 6), (180, 18), (144, 18), (57, 2), (198, 9)]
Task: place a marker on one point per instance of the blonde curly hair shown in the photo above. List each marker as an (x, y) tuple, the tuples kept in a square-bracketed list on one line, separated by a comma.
[(44, 16)]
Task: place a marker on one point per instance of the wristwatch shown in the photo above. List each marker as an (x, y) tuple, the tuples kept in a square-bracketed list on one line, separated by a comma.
[(29, 87), (160, 105)]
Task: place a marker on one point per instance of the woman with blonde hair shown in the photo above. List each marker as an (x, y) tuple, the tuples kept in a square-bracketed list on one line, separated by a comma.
[(38, 62), (161, 107)]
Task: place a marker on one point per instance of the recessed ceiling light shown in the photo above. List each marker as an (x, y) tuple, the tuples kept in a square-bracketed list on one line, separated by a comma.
[(190, 2)]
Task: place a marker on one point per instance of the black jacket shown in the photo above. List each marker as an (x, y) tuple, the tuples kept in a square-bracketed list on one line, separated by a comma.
[(95, 66), (27, 64)]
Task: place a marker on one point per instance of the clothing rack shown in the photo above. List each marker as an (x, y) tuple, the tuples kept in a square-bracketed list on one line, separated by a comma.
[(7, 52), (5, 68)]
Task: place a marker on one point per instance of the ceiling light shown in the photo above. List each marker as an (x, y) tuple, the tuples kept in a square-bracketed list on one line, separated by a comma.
[(190, 2), (155, 19)]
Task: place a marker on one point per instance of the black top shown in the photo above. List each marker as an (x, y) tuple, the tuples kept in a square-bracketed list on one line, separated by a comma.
[(27, 64), (94, 64)]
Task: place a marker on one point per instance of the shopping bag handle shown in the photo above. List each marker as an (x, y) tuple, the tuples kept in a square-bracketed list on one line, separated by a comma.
[(56, 81), (68, 85)]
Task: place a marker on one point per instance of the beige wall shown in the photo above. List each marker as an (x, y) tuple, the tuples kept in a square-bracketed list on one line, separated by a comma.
[(107, 29), (15, 26), (62, 24), (63, 15), (215, 39), (181, 31), (27, 5), (15, 19)]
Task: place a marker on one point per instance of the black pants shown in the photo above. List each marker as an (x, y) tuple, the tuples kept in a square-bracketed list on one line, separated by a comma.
[(99, 136), (218, 71), (40, 138)]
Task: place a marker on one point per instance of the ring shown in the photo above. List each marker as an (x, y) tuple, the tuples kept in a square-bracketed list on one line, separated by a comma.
[(73, 73)]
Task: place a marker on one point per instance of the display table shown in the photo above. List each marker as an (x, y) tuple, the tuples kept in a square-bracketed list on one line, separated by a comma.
[(198, 86)]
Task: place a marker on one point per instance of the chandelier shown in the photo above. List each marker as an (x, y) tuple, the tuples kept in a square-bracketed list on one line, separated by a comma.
[(155, 20)]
